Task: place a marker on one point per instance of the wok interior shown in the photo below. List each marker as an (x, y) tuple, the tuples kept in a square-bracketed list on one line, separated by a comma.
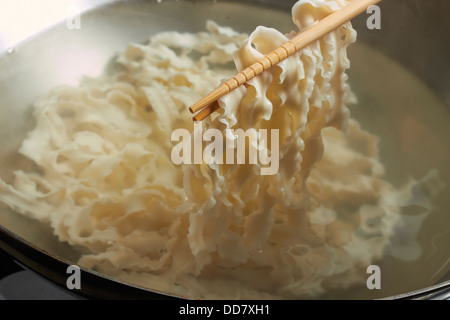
[(404, 100)]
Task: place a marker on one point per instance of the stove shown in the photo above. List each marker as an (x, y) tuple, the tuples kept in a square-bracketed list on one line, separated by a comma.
[(20, 283)]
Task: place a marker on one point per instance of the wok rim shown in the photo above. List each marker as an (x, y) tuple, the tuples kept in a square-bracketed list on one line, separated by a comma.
[(96, 285)]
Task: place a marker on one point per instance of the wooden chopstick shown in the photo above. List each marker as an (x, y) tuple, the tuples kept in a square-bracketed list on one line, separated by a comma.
[(300, 41), (203, 113)]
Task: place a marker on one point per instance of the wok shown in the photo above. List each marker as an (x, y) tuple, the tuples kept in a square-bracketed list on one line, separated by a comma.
[(40, 50)]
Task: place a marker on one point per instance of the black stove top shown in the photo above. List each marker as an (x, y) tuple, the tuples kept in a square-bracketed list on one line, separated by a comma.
[(19, 283)]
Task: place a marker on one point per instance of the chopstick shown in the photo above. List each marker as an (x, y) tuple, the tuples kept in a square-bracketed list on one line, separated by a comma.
[(207, 105), (203, 113)]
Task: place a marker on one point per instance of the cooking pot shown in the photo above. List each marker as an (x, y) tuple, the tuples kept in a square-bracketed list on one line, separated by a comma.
[(400, 72)]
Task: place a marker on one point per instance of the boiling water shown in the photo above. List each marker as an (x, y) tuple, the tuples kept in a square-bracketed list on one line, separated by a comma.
[(409, 119), (412, 125)]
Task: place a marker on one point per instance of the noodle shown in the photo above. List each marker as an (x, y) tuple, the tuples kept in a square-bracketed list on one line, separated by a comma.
[(107, 181)]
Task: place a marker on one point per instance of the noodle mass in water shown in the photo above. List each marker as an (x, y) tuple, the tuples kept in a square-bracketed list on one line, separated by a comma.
[(106, 180)]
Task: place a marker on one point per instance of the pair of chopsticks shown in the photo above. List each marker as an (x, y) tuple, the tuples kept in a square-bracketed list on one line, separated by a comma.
[(208, 104)]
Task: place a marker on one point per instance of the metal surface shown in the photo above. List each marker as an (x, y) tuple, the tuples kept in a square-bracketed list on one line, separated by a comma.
[(41, 47)]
